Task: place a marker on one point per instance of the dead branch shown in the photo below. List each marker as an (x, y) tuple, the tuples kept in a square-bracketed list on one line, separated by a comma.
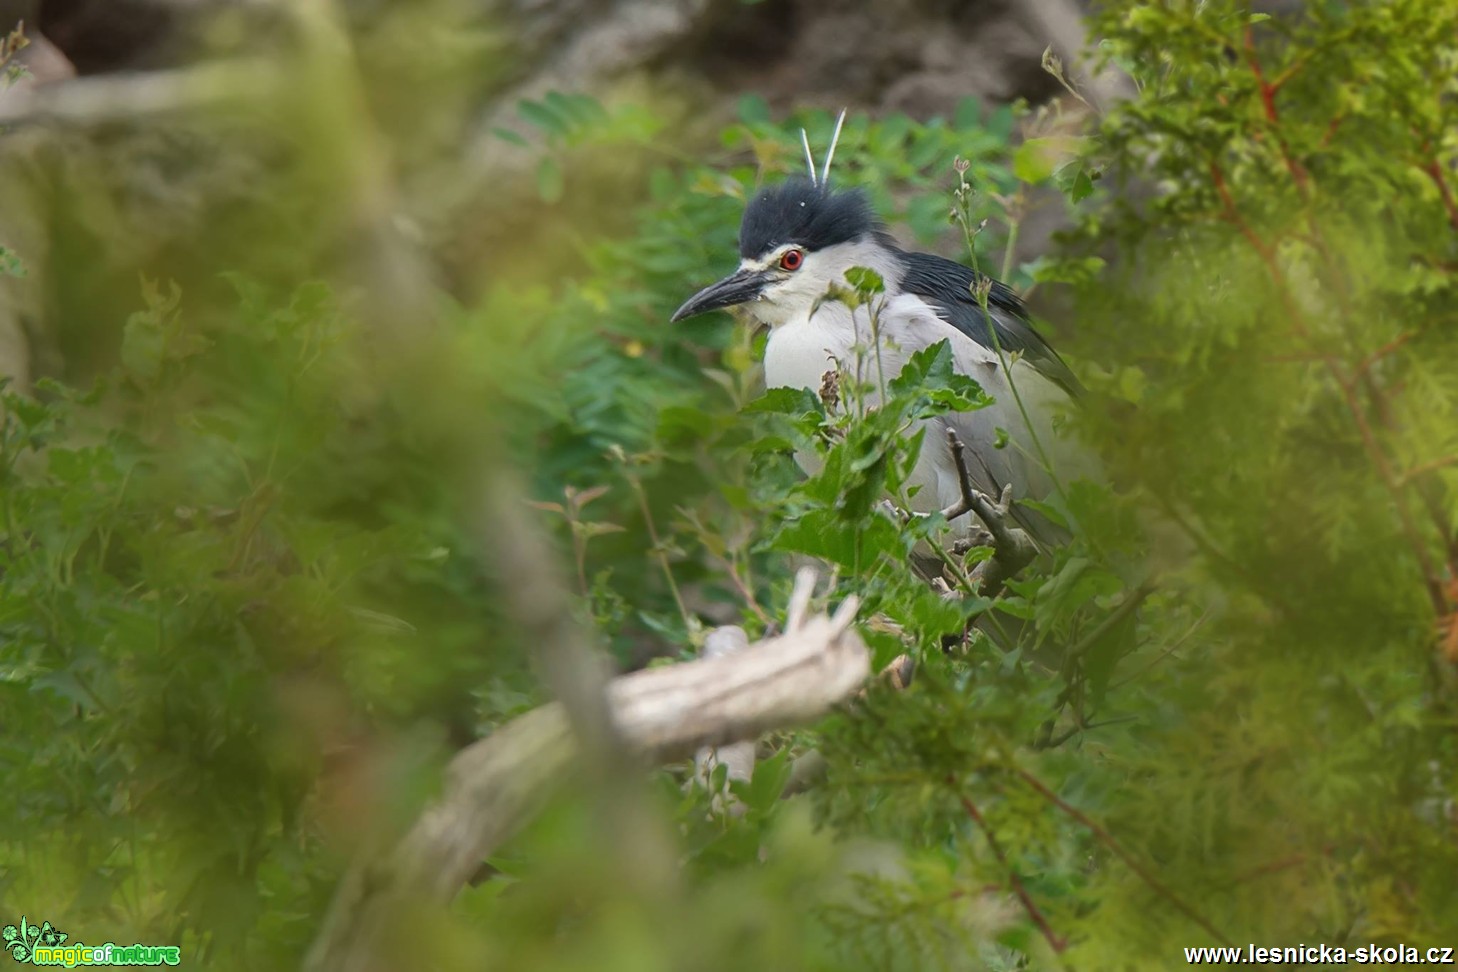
[(737, 758), (112, 98), (1013, 549), (661, 714)]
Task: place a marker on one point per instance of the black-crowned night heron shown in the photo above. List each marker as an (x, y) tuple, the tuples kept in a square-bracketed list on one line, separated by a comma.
[(797, 240)]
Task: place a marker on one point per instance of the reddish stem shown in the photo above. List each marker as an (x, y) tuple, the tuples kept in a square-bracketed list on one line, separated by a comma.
[(1107, 839), (1268, 102), (1268, 92), (1054, 942), (1346, 384), (1435, 172), (1275, 867), (1266, 870), (1232, 214), (1382, 352), (1427, 467)]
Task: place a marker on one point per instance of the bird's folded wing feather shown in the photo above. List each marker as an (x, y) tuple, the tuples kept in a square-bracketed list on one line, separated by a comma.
[(948, 286)]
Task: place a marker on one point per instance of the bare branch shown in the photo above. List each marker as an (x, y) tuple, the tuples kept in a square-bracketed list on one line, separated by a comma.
[(737, 758), (1014, 549), (800, 595), (660, 714), (112, 98)]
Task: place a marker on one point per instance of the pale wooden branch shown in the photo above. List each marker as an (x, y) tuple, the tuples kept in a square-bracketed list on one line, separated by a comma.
[(112, 98), (661, 714), (737, 758)]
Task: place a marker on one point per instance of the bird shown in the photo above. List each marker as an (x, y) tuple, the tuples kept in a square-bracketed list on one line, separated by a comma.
[(798, 239)]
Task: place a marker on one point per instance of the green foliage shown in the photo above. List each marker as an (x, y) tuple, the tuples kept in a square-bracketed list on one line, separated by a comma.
[(1281, 312), (203, 559), (11, 44), (247, 606), (569, 121)]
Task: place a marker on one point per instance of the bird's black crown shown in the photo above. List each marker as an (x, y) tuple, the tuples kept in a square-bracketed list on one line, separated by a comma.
[(800, 212)]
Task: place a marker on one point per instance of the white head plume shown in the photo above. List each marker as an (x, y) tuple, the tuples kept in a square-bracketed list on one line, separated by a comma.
[(809, 159), (824, 177), (830, 152)]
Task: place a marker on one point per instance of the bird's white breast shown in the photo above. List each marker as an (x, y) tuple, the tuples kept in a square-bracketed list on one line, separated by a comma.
[(803, 349), (800, 353)]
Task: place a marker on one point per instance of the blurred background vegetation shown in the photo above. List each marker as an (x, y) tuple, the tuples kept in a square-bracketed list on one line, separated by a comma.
[(282, 283)]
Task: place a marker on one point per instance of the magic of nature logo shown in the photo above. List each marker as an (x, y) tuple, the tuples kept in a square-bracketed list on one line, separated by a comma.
[(44, 944)]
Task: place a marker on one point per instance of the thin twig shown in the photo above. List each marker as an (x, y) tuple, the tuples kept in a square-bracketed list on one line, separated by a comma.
[(1431, 465), (1126, 607), (660, 553), (1268, 102), (1266, 870), (1013, 548), (1055, 942), (1366, 363), (1346, 385), (1435, 172), (1173, 647), (1117, 849), (114, 97), (800, 595)]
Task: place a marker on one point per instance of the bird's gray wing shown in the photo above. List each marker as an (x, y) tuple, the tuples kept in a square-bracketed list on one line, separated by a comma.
[(990, 481), (947, 286), (910, 322)]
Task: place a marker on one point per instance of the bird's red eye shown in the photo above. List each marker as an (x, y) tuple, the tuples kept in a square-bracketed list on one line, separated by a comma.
[(791, 259)]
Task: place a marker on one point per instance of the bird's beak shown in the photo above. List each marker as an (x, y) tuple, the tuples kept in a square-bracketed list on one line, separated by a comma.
[(737, 288)]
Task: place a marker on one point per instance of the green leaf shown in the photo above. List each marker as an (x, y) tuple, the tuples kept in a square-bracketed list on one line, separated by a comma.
[(1037, 158), (10, 264), (865, 280), (539, 115), (968, 113), (143, 346), (1073, 181), (785, 401), (763, 789), (578, 111), (929, 367), (550, 184), (507, 135), (931, 377), (1034, 160), (827, 535), (1053, 514), (753, 110), (1069, 270)]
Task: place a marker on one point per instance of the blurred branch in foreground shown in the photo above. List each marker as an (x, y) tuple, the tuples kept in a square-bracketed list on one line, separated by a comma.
[(109, 99), (662, 714)]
